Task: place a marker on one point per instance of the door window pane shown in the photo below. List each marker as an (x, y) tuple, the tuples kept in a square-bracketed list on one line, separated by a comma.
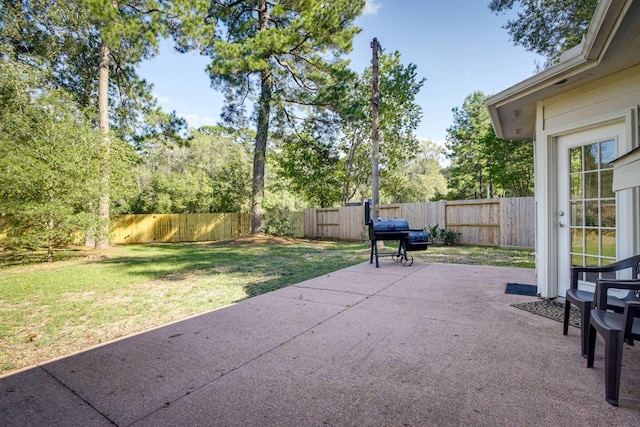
[(576, 186), (609, 244), (575, 158), (577, 240), (576, 260), (606, 183), (608, 213), (591, 215), (592, 242), (591, 157), (592, 261), (576, 214), (591, 185), (607, 154)]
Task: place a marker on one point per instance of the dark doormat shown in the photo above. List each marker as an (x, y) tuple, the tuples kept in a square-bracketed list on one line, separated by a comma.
[(519, 289), (551, 309)]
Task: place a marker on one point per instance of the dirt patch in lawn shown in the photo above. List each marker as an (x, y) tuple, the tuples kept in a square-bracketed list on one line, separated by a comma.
[(263, 239)]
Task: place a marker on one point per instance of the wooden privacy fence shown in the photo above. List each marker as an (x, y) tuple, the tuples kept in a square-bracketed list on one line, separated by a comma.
[(489, 222), (179, 227)]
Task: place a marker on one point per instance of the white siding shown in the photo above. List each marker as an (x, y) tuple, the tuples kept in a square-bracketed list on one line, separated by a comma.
[(613, 93)]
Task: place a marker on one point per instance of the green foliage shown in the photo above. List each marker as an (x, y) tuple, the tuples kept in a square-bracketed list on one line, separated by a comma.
[(285, 55), (64, 40), (440, 236), (329, 162), (281, 206), (480, 161), (49, 158), (547, 27), (418, 179), (210, 173), (90, 48), (399, 116), (279, 221), (310, 166)]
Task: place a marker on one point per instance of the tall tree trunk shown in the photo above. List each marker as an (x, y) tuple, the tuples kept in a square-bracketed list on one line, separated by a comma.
[(50, 228), (90, 234), (259, 156), (257, 188), (102, 230)]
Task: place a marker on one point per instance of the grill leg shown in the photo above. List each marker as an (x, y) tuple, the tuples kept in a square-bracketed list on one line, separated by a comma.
[(401, 254), (373, 242), (374, 249)]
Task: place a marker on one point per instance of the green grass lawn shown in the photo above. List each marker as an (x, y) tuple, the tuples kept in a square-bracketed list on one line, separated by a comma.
[(53, 309)]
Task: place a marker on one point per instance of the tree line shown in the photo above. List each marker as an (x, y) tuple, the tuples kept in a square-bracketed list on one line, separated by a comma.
[(82, 138)]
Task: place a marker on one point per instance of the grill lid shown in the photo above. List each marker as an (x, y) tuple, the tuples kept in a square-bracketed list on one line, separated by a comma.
[(390, 224)]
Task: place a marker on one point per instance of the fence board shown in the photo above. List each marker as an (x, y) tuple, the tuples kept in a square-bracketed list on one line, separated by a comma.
[(297, 224), (179, 227)]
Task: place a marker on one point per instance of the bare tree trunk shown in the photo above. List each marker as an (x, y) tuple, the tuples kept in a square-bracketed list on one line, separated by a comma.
[(262, 134), (50, 250), (102, 229), (375, 157), (50, 225), (90, 234), (259, 157)]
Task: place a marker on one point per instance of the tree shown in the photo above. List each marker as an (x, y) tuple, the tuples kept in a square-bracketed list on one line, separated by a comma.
[(49, 160), (209, 173), (90, 48), (482, 163), (399, 118), (417, 180), (547, 27), (311, 169), (330, 161), (285, 55)]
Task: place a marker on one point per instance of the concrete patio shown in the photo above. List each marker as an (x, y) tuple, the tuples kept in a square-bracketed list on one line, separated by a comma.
[(426, 345)]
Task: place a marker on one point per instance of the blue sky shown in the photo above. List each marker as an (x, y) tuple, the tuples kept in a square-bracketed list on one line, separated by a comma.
[(459, 46)]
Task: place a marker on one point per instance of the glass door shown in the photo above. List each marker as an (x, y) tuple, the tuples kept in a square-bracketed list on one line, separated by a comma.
[(587, 205), (593, 205)]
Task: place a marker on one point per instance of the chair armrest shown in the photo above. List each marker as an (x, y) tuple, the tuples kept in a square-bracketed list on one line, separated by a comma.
[(603, 286)]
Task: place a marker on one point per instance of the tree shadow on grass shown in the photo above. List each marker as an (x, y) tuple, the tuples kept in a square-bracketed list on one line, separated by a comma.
[(265, 267)]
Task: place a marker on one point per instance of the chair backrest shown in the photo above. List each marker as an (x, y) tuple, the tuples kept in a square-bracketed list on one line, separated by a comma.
[(632, 263), (603, 286)]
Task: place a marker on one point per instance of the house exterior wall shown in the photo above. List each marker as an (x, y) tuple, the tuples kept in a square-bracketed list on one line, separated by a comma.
[(618, 91), (611, 99)]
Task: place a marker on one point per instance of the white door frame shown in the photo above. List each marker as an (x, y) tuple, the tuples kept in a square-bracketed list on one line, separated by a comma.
[(546, 168)]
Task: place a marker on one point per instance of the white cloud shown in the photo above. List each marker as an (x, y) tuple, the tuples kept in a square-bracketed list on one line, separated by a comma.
[(197, 120), (371, 8), (164, 101)]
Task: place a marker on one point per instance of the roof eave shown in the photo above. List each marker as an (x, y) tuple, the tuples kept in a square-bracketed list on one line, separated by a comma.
[(575, 61)]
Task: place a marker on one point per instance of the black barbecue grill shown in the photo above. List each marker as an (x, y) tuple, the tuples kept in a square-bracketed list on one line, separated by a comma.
[(394, 229)]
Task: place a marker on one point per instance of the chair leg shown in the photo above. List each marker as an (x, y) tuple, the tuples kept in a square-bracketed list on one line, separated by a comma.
[(567, 310), (612, 365), (591, 346), (585, 318)]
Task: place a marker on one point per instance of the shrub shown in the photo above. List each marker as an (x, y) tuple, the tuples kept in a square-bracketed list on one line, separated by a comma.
[(441, 236)]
